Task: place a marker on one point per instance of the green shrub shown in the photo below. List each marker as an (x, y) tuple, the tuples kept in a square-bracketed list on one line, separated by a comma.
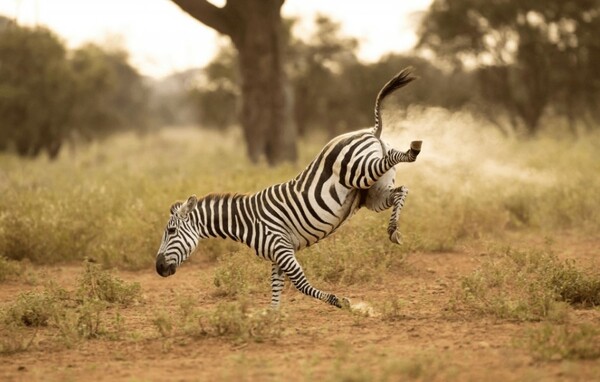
[(240, 273), (527, 286), (75, 315), (82, 321), (15, 338), (235, 321), (97, 284), (32, 309)]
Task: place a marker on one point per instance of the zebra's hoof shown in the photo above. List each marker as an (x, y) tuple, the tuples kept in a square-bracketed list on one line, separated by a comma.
[(416, 145), (344, 303), (396, 237)]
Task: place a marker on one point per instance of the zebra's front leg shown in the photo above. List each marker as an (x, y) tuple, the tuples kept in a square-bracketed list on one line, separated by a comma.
[(277, 283), (288, 263), (396, 199)]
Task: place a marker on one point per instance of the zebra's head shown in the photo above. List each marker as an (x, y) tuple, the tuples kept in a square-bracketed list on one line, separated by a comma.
[(179, 239)]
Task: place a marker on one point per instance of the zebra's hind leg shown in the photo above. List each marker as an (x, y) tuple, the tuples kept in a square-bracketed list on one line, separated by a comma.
[(396, 199), (277, 283), (288, 263)]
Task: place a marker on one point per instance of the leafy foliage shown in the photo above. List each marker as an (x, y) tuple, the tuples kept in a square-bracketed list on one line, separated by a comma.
[(50, 95), (533, 55), (35, 90)]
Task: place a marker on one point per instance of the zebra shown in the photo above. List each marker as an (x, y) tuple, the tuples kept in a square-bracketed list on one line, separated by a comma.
[(353, 170)]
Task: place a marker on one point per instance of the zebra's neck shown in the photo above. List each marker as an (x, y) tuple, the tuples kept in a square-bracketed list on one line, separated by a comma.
[(223, 215)]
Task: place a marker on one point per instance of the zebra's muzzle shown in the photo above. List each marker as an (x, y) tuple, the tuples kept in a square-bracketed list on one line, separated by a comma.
[(162, 268)]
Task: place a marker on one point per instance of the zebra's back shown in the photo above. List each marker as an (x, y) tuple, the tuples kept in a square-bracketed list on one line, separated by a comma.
[(322, 197)]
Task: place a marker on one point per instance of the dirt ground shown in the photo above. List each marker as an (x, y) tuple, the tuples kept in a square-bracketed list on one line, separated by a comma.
[(319, 342)]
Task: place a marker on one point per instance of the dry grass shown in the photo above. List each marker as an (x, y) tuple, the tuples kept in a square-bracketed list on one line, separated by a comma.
[(564, 342), (467, 187), (114, 197)]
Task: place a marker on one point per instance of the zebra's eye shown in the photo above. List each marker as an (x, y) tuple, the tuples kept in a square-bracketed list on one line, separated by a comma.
[(171, 230)]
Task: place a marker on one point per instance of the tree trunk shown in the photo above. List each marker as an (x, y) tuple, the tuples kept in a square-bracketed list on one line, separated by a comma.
[(255, 28)]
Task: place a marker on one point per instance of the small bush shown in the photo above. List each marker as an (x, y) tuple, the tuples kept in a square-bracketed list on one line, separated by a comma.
[(553, 343), (240, 273), (77, 316), (97, 284), (32, 309), (81, 322), (15, 338), (9, 269), (235, 321), (527, 286), (88, 319)]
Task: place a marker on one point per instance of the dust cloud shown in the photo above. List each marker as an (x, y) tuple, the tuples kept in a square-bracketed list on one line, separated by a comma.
[(460, 145)]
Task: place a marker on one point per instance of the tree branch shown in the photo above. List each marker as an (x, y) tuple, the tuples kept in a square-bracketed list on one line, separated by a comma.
[(207, 13)]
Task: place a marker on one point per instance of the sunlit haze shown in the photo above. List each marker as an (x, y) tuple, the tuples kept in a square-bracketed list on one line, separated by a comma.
[(162, 39)]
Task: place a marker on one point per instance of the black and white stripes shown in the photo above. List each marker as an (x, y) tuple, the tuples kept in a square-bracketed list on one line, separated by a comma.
[(353, 170)]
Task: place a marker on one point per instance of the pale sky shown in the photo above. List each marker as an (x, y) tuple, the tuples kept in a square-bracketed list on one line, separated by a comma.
[(162, 39)]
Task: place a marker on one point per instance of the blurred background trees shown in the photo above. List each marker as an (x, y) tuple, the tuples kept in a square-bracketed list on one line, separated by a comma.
[(111, 95), (35, 90), (529, 56), (333, 91), (255, 29), (518, 63), (49, 96)]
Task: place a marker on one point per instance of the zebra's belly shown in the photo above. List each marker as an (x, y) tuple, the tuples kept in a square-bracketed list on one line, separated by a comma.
[(337, 214)]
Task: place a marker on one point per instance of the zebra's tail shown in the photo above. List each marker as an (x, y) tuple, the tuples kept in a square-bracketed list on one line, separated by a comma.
[(399, 81)]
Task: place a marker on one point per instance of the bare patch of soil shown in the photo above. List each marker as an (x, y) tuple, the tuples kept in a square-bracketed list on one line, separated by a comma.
[(427, 341)]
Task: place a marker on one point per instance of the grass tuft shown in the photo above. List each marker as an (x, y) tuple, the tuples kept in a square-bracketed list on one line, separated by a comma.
[(391, 310), (564, 342)]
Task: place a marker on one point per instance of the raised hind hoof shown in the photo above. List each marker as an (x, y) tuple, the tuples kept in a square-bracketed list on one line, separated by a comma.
[(416, 145), (396, 237)]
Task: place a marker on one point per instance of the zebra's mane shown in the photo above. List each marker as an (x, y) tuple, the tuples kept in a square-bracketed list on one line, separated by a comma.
[(216, 196)]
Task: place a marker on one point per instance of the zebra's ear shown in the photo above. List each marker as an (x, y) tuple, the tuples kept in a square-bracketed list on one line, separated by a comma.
[(188, 206), (174, 207)]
